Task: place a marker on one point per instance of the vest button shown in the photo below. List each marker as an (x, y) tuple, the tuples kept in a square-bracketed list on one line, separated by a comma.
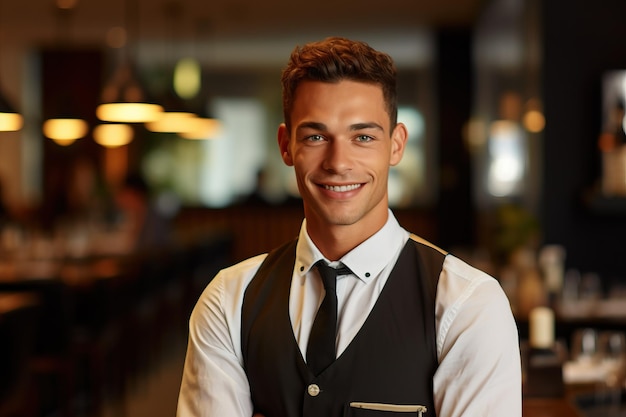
[(313, 390)]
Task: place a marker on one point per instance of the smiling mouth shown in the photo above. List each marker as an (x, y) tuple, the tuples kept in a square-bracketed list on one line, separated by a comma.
[(342, 188)]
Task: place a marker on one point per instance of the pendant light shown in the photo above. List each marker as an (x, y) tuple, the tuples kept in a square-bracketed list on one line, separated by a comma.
[(10, 119), (65, 127), (65, 131), (123, 98), (204, 126), (175, 116)]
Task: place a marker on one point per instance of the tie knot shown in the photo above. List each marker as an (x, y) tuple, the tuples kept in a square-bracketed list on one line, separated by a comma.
[(329, 274)]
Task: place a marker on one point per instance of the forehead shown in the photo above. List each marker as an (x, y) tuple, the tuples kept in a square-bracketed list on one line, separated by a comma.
[(311, 87), (324, 99)]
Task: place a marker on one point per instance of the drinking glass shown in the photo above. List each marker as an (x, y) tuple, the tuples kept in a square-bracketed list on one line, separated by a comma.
[(584, 347)]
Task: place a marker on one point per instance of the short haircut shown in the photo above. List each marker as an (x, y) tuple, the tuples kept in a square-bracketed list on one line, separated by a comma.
[(335, 59)]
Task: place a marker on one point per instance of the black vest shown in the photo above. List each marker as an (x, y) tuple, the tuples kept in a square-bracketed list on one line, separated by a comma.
[(392, 359)]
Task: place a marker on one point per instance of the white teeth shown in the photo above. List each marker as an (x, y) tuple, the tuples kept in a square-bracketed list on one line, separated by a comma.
[(342, 188)]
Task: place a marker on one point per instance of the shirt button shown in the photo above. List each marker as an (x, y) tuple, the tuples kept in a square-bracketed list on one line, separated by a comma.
[(313, 390)]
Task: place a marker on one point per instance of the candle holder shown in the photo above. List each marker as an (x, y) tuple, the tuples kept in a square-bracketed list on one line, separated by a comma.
[(543, 357)]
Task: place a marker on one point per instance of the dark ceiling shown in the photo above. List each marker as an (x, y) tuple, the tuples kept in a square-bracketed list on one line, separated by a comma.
[(39, 20)]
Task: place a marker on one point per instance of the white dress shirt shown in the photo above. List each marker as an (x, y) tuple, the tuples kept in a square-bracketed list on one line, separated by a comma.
[(477, 341)]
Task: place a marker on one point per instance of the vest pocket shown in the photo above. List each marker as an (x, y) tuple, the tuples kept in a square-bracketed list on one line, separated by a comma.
[(361, 409)]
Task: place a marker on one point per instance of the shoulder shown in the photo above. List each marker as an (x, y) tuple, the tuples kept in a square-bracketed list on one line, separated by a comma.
[(235, 278), (224, 293), (457, 276), (468, 297), (460, 282)]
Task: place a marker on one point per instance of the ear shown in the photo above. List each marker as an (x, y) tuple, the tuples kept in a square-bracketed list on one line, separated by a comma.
[(399, 137), (283, 144)]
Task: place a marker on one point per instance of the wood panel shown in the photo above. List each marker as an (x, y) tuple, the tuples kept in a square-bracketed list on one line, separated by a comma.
[(257, 229)]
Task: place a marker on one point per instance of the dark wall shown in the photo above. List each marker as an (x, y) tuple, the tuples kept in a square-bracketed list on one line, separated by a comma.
[(70, 82), (454, 91), (582, 40)]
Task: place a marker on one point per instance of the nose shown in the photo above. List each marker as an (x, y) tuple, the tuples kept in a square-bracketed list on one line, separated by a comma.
[(337, 158)]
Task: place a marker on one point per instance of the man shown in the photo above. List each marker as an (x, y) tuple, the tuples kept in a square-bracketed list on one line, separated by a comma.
[(416, 329)]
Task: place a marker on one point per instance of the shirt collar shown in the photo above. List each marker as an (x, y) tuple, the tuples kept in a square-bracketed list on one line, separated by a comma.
[(366, 260)]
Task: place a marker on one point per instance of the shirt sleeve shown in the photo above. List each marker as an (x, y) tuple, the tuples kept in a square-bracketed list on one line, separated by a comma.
[(214, 383), (479, 371)]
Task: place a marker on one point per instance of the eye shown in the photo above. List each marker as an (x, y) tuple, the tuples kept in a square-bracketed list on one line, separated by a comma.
[(364, 138), (315, 138)]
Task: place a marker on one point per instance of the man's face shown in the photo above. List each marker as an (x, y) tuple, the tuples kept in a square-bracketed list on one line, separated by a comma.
[(341, 147)]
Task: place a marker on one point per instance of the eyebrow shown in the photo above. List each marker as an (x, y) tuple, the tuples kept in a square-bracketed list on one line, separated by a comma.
[(311, 125), (371, 125), (353, 127)]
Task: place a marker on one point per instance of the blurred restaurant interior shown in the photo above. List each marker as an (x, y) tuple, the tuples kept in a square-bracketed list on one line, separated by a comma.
[(108, 233)]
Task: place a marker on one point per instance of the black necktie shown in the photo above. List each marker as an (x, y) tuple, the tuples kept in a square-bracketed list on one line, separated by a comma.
[(321, 349)]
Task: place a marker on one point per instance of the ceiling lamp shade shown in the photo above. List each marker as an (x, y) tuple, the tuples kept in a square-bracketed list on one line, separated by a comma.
[(124, 101), (65, 129), (10, 120), (128, 112), (113, 135)]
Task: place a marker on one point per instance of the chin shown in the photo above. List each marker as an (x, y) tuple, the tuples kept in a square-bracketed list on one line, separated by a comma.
[(343, 219)]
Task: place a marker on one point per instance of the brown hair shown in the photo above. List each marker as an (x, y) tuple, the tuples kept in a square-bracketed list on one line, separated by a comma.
[(335, 59)]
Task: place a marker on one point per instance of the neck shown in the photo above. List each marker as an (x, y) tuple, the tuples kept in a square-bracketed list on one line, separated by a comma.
[(334, 241)]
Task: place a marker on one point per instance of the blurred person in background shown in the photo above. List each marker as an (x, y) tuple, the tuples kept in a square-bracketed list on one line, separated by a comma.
[(145, 225)]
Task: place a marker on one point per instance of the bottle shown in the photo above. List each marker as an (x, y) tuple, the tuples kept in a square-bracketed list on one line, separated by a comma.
[(531, 290), (552, 265)]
